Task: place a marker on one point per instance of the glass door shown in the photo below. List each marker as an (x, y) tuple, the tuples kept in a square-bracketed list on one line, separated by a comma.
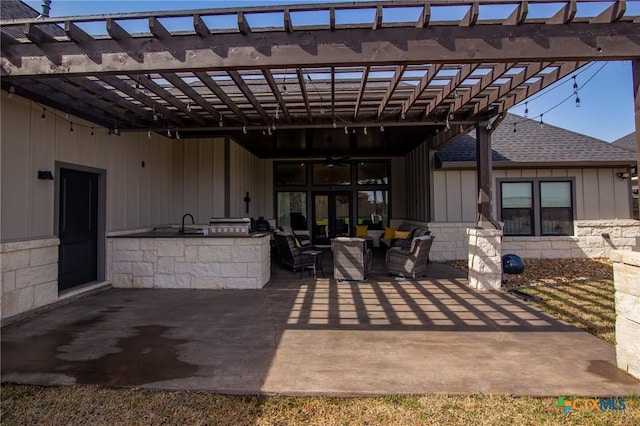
[(331, 216)]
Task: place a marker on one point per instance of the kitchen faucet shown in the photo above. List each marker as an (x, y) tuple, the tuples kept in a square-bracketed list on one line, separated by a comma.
[(183, 217)]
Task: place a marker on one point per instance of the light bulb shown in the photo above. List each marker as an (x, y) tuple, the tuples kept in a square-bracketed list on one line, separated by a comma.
[(365, 130), (244, 129), (381, 127), (189, 107), (575, 85), (346, 131), (402, 116), (92, 131), (334, 124), (526, 110), (71, 127), (43, 116), (149, 134), (269, 131), (514, 128), (168, 133), (177, 134), (220, 123), (12, 90), (541, 122), (578, 102), (321, 110), (277, 115)]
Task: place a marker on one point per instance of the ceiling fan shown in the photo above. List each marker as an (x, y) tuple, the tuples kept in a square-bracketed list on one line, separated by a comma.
[(336, 162)]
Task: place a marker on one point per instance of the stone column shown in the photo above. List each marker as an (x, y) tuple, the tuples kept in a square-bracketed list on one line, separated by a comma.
[(626, 278), (485, 258)]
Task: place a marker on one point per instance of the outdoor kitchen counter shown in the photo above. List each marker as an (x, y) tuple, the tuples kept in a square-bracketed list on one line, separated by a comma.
[(156, 259)]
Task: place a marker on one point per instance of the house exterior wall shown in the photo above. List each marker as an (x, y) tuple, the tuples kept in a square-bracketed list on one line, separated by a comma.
[(398, 188), (599, 193), (178, 177)]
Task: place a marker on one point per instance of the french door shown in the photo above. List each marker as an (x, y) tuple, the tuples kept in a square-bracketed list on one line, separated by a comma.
[(331, 216)]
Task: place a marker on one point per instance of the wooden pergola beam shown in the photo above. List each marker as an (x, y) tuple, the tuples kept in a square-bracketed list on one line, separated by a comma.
[(424, 82), (305, 96), (116, 31), (157, 29), (519, 15), (77, 34), (37, 36), (243, 25), (160, 109), (397, 76), (277, 94), (221, 94), (164, 94), (467, 95), (246, 91), (613, 13), (100, 91), (441, 44), (363, 85), (191, 93), (449, 88)]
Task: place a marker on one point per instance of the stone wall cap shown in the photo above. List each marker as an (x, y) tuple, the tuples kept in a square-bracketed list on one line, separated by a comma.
[(625, 256), (29, 244)]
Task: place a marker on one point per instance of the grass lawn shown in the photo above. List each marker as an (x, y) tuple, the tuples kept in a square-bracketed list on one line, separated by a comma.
[(586, 303), (91, 405)]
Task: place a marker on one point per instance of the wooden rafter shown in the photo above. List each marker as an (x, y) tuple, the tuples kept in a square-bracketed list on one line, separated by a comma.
[(101, 92), (397, 76), (466, 96), (160, 109), (246, 91), (76, 34), (191, 93), (424, 82), (37, 36), (464, 72), (164, 94), (277, 94), (305, 97), (221, 94), (157, 29), (363, 85)]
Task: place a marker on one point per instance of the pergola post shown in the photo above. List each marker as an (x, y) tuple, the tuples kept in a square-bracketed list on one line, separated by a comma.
[(626, 277), (485, 240)]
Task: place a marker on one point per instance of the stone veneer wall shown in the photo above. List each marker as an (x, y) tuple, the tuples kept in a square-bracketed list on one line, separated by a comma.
[(626, 277), (29, 272), (485, 258), (451, 241), (204, 263)]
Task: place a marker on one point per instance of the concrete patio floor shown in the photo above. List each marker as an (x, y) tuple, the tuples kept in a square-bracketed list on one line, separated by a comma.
[(314, 337)]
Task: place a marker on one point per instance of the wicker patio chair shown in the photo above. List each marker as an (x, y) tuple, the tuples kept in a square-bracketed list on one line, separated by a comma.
[(290, 254), (411, 262), (351, 258)]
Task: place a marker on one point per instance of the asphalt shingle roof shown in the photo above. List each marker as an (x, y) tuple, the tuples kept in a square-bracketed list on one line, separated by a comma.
[(627, 142), (532, 144), (15, 9)]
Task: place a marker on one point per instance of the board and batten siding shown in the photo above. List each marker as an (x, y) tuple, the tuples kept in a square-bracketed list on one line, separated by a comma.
[(417, 184), (599, 193), (250, 174), (136, 197)]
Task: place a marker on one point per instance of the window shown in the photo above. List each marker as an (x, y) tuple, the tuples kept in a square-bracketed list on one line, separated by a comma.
[(292, 210), (517, 208), (373, 209), (291, 174), (537, 207)]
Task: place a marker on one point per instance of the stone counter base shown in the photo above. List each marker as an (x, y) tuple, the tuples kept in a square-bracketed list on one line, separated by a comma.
[(202, 263), (626, 277)]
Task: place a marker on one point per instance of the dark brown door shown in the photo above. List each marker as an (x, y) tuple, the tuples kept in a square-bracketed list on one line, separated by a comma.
[(78, 228)]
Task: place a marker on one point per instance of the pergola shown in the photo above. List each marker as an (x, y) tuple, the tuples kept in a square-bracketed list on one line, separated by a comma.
[(365, 78)]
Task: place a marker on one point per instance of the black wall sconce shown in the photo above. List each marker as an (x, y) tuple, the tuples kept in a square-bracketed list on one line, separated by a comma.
[(623, 175), (45, 175)]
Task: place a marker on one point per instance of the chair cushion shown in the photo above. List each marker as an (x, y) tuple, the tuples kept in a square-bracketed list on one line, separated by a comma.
[(361, 230), (416, 239), (402, 234), (389, 233)]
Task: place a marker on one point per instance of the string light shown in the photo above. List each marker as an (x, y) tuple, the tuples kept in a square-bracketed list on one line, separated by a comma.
[(220, 123), (321, 110), (12, 90), (177, 134), (526, 110), (541, 122), (277, 115), (155, 116), (334, 124), (168, 133), (578, 103), (273, 127), (264, 132), (43, 116), (403, 115), (189, 107), (66, 115), (269, 131), (575, 85), (116, 131), (149, 133), (461, 128), (244, 129), (346, 131), (365, 130), (92, 131), (514, 128), (381, 127), (70, 127)]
